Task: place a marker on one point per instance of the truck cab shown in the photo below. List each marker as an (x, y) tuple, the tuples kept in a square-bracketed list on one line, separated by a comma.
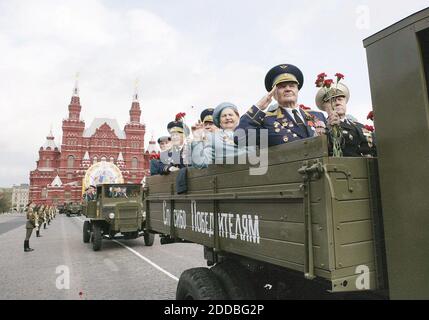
[(116, 209)]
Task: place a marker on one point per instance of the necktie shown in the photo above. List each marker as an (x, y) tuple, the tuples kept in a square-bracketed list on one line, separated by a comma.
[(299, 122)]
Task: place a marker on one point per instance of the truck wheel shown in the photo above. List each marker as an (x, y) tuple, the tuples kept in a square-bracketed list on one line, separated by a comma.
[(235, 280), (86, 232), (149, 238), (199, 284), (96, 237)]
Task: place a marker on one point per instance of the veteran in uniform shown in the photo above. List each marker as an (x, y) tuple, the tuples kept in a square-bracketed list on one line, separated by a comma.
[(206, 118), (334, 101), (29, 226), (164, 144), (173, 158), (285, 121)]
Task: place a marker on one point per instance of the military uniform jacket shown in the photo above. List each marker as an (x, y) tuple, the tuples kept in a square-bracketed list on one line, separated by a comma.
[(31, 219), (354, 142), (41, 215), (281, 126)]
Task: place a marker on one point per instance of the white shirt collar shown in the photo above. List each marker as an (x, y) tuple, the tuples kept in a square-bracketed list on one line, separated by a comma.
[(289, 110)]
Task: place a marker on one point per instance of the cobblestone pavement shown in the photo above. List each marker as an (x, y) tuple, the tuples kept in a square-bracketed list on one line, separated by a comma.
[(115, 272)]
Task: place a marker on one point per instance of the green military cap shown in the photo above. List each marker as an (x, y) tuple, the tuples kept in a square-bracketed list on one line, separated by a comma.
[(324, 95)]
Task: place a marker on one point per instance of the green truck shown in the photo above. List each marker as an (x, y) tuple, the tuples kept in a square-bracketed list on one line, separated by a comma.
[(116, 209), (73, 208), (315, 225)]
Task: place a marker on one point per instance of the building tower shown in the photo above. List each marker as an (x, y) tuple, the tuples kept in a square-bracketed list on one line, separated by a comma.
[(135, 131)]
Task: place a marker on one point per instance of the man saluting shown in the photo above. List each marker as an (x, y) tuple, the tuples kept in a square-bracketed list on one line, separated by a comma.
[(285, 121)]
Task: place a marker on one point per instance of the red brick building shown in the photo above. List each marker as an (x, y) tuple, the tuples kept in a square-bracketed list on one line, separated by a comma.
[(60, 171)]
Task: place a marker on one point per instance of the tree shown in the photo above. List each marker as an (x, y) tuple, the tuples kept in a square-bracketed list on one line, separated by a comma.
[(5, 200)]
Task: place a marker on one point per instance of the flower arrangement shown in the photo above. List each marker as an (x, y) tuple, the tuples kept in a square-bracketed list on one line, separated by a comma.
[(180, 116), (370, 116), (154, 156), (336, 135), (369, 128)]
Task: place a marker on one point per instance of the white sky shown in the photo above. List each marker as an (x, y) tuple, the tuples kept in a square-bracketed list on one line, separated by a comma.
[(187, 52)]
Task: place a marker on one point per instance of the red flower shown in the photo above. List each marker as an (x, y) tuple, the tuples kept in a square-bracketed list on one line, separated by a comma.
[(369, 128), (319, 83), (370, 116), (304, 107), (328, 82), (320, 79), (339, 76), (154, 156), (180, 116), (321, 75)]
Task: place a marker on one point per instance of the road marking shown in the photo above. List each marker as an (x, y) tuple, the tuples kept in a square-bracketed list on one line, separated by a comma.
[(147, 260), (153, 264)]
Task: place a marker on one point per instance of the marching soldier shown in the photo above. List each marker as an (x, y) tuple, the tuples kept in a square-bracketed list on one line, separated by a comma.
[(29, 226), (285, 121), (334, 101), (51, 210), (44, 215), (39, 219), (48, 214)]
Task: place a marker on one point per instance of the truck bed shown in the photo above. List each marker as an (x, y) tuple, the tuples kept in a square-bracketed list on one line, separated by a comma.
[(309, 213)]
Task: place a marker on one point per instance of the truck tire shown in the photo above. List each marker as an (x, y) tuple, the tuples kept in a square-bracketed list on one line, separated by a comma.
[(96, 237), (235, 280), (149, 238), (199, 284), (86, 232)]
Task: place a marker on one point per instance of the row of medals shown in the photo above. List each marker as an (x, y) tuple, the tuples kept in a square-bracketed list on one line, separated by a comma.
[(285, 124)]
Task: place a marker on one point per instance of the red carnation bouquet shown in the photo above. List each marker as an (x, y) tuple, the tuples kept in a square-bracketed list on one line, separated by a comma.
[(336, 134), (154, 156), (369, 128), (370, 116), (180, 116)]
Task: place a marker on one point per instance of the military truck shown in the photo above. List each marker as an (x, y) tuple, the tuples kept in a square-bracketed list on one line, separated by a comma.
[(74, 208), (315, 225), (61, 208), (117, 208)]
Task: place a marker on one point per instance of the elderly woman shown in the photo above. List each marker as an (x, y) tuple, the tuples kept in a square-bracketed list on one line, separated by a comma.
[(215, 147)]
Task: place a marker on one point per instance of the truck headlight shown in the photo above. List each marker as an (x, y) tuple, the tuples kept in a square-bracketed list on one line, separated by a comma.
[(111, 215)]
